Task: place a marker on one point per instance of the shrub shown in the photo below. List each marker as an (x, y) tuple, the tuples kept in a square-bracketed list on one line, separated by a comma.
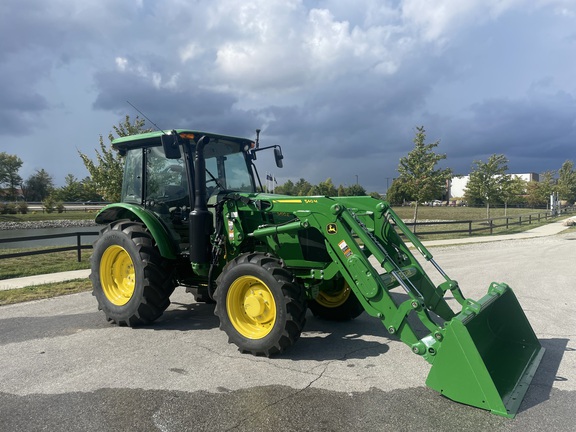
[(49, 205), (11, 208), (23, 207)]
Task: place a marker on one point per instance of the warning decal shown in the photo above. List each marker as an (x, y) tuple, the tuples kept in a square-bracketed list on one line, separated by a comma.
[(345, 249)]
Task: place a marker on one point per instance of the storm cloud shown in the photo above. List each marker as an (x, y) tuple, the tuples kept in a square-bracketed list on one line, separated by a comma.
[(340, 85)]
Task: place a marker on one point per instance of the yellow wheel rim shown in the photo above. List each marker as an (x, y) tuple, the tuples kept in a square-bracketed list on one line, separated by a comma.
[(117, 275), (251, 307), (334, 299)]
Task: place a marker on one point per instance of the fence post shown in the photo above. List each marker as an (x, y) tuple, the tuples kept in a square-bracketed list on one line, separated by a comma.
[(79, 246), (469, 228)]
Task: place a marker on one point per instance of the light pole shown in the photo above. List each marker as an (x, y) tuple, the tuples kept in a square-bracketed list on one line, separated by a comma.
[(356, 178)]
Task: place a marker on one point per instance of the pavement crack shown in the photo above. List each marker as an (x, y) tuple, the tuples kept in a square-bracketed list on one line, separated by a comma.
[(285, 398), (296, 392)]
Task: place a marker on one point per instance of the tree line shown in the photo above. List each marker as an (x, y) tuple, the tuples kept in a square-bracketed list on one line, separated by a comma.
[(304, 188), (420, 179), (490, 184), (103, 184)]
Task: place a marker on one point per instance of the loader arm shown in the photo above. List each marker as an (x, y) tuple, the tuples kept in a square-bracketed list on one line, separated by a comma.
[(484, 355)]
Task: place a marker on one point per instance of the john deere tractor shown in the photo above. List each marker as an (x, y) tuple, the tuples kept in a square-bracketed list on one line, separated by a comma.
[(192, 215)]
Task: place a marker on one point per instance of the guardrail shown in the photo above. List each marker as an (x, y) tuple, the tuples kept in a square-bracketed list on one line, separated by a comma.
[(78, 247)]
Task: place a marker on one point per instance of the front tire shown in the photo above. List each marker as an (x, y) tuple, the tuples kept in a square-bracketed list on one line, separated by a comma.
[(336, 304), (130, 279), (260, 307)]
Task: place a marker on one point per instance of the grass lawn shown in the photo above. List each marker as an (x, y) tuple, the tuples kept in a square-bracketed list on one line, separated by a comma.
[(41, 264), (38, 292)]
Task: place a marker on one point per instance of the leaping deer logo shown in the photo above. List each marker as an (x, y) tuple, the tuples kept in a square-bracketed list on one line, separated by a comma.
[(331, 228)]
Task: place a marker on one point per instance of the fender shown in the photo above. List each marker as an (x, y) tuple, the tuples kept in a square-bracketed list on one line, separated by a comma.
[(116, 211)]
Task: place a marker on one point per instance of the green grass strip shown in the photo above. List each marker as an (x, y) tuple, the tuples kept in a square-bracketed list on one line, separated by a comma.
[(38, 292)]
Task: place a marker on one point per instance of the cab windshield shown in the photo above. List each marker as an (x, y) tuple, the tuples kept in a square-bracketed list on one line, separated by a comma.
[(149, 177)]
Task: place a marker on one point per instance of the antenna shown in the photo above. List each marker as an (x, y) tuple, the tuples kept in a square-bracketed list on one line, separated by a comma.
[(144, 115)]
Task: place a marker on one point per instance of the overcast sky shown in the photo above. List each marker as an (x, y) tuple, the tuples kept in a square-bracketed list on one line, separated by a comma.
[(341, 85)]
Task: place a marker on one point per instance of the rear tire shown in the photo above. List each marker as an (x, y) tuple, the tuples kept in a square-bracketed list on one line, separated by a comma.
[(338, 304), (260, 306), (130, 279)]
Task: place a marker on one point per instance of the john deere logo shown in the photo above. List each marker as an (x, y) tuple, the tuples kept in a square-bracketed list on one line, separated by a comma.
[(331, 228)]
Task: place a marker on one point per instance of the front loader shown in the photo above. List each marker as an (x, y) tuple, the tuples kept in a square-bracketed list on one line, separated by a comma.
[(191, 216)]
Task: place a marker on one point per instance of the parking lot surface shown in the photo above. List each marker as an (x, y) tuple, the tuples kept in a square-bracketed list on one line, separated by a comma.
[(63, 367)]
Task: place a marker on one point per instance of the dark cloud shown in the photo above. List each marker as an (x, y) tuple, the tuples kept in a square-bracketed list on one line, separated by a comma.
[(340, 86), (536, 133), (188, 106)]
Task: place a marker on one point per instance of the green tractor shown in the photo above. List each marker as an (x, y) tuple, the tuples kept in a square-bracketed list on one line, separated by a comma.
[(191, 215)]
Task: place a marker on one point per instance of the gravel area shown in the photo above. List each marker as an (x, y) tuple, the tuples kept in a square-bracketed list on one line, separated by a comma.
[(47, 224)]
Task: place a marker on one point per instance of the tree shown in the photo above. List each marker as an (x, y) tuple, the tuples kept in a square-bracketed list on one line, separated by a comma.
[(397, 193), (285, 189), (325, 188), (355, 190), (533, 196), (419, 176), (546, 186), (72, 190), (9, 177), (566, 187), (302, 187), (108, 169), (538, 193), (89, 190), (38, 186), (487, 181), (512, 190)]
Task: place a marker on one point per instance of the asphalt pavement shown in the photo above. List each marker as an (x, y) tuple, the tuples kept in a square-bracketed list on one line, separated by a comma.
[(64, 367)]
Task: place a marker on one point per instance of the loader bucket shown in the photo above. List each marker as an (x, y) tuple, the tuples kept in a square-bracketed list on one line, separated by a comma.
[(488, 354)]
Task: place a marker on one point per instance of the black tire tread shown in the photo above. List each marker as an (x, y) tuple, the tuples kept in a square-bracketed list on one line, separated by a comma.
[(294, 296), (158, 283)]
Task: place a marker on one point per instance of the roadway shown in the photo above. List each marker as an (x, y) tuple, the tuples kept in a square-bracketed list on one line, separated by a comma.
[(63, 367)]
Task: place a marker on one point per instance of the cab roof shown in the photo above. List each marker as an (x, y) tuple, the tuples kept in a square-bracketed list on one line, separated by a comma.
[(153, 139)]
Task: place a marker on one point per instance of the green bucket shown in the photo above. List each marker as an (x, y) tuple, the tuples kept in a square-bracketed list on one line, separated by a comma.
[(488, 354)]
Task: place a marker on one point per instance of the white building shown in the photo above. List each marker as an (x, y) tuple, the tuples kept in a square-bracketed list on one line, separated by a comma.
[(458, 184)]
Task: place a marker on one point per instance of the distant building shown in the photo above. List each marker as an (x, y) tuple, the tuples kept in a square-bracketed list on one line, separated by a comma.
[(457, 185)]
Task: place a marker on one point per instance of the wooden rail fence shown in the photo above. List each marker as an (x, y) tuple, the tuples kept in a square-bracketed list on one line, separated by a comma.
[(78, 247)]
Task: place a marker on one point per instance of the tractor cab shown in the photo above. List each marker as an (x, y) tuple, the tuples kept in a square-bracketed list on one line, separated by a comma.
[(158, 174), (176, 179)]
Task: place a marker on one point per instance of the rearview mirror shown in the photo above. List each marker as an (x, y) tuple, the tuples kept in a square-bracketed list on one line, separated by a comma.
[(171, 146), (278, 156)]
